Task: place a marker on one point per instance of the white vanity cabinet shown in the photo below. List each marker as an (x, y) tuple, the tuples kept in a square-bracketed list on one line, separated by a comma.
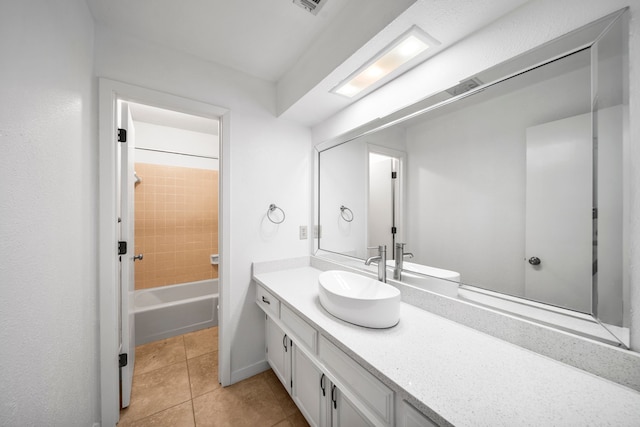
[(321, 401), (278, 352), (344, 412), (310, 389), (329, 387), (408, 416)]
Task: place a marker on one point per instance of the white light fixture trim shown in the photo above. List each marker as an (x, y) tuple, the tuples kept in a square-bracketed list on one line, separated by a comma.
[(399, 56)]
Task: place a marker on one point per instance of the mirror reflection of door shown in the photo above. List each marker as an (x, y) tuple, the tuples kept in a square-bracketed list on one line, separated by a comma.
[(559, 248), (382, 201)]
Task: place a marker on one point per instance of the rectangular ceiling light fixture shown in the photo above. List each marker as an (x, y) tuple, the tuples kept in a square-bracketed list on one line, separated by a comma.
[(399, 56)]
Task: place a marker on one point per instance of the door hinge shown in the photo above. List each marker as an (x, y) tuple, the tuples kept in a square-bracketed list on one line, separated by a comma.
[(122, 135), (123, 360), (594, 213), (394, 175), (393, 230), (122, 248)]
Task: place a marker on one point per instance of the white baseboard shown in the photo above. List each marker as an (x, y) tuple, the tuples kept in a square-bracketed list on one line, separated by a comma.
[(249, 371)]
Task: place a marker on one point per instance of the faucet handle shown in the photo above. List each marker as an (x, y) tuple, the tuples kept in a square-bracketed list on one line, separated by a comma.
[(380, 248)]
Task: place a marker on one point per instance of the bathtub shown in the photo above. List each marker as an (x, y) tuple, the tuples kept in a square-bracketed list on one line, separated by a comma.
[(168, 311)]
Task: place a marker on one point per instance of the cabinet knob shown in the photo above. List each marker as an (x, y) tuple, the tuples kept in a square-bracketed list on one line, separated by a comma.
[(534, 260)]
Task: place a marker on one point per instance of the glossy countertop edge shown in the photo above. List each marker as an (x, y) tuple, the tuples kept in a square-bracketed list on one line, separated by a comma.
[(495, 382)]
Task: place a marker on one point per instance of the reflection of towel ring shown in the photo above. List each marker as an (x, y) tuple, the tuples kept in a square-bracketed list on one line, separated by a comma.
[(272, 208), (346, 216)]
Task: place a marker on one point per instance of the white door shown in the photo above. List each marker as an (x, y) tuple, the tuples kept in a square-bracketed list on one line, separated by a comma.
[(383, 194), (345, 413), (559, 202), (278, 352), (310, 389), (127, 285)]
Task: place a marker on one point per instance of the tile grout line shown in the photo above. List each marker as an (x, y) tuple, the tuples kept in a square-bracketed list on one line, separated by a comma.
[(193, 411), (186, 361)]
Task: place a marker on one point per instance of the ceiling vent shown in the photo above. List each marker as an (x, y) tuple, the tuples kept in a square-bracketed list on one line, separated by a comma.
[(464, 86), (313, 6)]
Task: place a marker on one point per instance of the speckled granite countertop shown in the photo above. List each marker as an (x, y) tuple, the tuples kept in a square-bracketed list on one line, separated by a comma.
[(459, 375)]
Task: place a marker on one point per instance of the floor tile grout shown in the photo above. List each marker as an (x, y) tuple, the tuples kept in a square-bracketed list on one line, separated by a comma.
[(186, 362), (192, 370)]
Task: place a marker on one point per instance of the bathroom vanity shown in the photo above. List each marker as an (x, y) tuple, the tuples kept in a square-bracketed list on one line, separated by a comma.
[(425, 371)]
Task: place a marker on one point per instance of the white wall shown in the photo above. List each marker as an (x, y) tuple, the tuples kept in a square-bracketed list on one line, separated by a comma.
[(269, 163), (346, 163), (48, 198), (150, 136), (531, 25), (466, 185)]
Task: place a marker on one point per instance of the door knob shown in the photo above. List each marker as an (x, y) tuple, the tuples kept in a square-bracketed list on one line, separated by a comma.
[(138, 257), (534, 260)]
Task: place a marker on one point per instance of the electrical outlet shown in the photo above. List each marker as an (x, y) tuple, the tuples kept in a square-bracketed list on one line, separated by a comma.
[(303, 232)]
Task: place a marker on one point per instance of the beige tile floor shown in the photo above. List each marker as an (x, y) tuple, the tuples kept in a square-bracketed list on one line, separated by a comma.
[(175, 383)]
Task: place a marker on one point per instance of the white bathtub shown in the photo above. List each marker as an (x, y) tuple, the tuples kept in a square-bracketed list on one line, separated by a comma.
[(168, 311)]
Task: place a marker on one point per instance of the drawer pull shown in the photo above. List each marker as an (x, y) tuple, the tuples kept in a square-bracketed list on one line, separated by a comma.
[(334, 397), (266, 301), (324, 391)]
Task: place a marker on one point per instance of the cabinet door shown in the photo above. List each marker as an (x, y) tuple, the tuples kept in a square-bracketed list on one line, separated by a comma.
[(279, 352), (344, 412), (310, 390)]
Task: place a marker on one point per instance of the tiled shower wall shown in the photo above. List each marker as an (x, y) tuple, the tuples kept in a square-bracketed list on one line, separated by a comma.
[(176, 224)]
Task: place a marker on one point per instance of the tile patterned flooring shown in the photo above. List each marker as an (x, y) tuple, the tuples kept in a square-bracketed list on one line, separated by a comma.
[(175, 383)]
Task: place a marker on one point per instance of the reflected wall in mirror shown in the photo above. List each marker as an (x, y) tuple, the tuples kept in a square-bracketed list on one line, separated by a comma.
[(517, 185)]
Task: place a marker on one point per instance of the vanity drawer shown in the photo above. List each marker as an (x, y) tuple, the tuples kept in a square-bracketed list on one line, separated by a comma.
[(266, 301), (305, 333), (371, 391)]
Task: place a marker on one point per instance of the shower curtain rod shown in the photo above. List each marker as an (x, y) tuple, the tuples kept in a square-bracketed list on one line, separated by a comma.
[(175, 152)]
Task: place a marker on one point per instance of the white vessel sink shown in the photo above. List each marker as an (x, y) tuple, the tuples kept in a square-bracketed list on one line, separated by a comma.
[(359, 300), (444, 282)]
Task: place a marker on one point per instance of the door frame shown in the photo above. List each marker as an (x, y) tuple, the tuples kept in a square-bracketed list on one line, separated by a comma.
[(399, 201), (110, 92)]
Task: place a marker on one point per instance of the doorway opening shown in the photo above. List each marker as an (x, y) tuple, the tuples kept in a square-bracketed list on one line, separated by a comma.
[(384, 221), (176, 164), (162, 156)]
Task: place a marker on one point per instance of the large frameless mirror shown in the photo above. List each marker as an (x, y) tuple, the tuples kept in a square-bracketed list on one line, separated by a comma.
[(518, 185)]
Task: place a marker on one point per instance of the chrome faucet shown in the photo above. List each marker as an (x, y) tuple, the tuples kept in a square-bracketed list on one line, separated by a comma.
[(399, 259), (381, 258)]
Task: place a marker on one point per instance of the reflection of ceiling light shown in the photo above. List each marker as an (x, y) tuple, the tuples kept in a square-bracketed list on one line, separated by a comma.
[(396, 58)]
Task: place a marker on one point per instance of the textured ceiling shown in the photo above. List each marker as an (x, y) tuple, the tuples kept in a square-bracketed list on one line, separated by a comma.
[(262, 38), (275, 40)]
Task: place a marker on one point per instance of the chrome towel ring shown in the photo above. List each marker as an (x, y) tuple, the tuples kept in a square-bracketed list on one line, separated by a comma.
[(272, 208), (346, 213)]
